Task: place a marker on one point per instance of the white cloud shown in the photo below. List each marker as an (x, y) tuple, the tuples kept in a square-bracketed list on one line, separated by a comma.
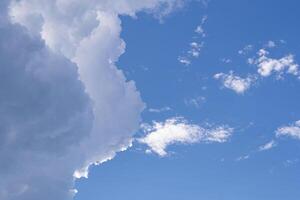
[(226, 60), (270, 44), (199, 29), (268, 146), (193, 52), (196, 102), (159, 110), (291, 162), (184, 60), (195, 49), (246, 49), (292, 130), (245, 157), (67, 106), (266, 65), (178, 131), (235, 83), (195, 46)]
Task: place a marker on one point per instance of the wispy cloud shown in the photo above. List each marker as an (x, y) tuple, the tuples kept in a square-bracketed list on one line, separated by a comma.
[(241, 158), (270, 44), (268, 146), (246, 49), (196, 102), (160, 135), (184, 60), (195, 46), (159, 110)]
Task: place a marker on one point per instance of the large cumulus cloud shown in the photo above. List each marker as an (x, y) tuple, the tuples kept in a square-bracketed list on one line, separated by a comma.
[(64, 105), (44, 115)]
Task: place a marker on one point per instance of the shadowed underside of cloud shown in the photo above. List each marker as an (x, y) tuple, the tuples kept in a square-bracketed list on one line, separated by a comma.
[(64, 104), (45, 113), (160, 135)]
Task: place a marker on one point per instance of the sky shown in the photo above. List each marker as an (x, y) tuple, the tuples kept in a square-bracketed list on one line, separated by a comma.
[(149, 99)]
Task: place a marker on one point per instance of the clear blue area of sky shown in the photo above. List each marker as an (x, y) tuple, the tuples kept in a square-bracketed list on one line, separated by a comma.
[(209, 171)]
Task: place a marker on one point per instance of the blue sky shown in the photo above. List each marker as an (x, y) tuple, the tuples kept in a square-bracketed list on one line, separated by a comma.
[(149, 99)]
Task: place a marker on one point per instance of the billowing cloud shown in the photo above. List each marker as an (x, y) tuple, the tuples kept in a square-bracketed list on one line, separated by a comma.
[(292, 130), (64, 104), (234, 82), (160, 135), (45, 114)]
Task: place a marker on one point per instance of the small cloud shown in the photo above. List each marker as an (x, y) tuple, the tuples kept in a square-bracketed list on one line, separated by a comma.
[(195, 49), (292, 130), (266, 65), (204, 2), (246, 157), (177, 130), (270, 44), (235, 83), (204, 88), (199, 29), (291, 162), (195, 46), (246, 49), (282, 41), (251, 61), (195, 102), (159, 110), (268, 146), (184, 60), (226, 60)]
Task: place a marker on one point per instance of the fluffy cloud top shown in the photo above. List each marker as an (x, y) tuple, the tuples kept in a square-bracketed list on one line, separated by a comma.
[(178, 131), (62, 94), (234, 82), (292, 130)]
